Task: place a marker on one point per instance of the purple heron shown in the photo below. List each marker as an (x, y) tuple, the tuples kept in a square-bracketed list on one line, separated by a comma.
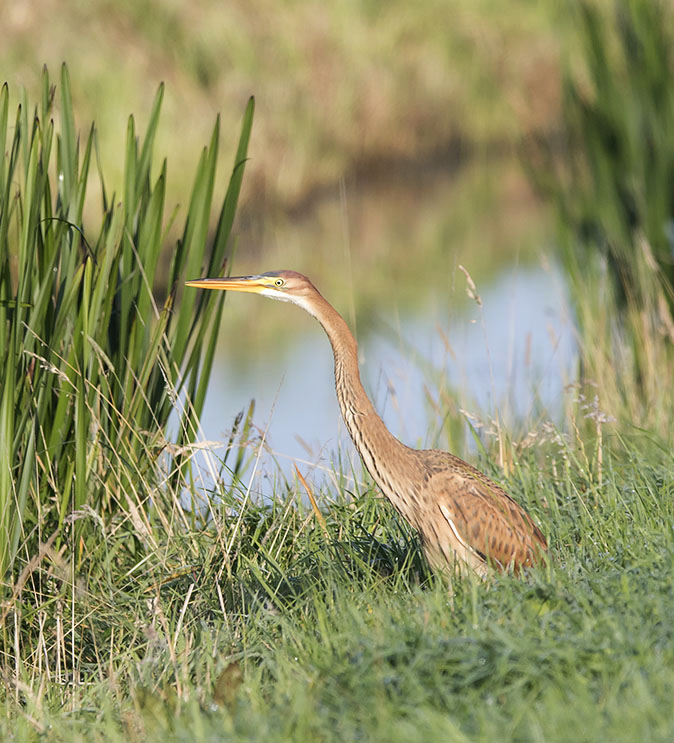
[(462, 516)]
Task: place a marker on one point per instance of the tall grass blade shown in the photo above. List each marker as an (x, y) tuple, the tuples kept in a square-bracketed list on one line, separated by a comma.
[(90, 368)]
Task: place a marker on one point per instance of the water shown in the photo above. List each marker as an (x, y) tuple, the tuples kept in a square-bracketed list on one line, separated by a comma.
[(512, 357)]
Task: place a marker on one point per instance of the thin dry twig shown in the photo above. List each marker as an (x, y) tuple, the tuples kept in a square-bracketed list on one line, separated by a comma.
[(319, 516), (44, 550)]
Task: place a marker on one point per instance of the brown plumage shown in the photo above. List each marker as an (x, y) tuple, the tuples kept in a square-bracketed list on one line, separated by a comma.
[(463, 517)]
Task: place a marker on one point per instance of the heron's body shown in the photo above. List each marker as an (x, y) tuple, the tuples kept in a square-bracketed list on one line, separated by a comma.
[(463, 517)]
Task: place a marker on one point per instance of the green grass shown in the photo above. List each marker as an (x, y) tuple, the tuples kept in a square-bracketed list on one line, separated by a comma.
[(297, 634), (263, 625)]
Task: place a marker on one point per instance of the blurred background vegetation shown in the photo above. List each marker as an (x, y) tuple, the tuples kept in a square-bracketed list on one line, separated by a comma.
[(384, 149), (342, 88), (379, 96), (612, 182)]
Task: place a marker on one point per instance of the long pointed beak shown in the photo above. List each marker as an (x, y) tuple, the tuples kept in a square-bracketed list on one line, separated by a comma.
[(253, 284)]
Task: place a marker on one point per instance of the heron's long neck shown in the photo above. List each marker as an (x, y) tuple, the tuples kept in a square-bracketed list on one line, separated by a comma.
[(380, 450)]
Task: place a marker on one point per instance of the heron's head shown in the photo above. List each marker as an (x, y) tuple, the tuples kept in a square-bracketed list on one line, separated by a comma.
[(286, 286)]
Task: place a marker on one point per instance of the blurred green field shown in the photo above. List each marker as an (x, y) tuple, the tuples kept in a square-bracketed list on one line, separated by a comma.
[(340, 87)]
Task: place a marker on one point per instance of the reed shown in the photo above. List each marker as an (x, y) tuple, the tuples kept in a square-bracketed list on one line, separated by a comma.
[(612, 182), (92, 365)]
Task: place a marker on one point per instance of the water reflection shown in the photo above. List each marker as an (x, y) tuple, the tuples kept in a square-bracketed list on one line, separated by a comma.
[(513, 355)]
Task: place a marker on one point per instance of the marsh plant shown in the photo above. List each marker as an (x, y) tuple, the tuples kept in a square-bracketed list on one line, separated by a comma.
[(613, 184), (91, 367)]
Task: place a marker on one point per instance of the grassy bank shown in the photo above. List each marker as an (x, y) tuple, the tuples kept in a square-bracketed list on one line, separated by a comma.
[(267, 623)]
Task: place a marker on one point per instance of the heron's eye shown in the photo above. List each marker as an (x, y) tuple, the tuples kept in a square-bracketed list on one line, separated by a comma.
[(279, 283)]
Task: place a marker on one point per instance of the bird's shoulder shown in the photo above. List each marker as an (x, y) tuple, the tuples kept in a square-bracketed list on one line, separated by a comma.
[(441, 466), (450, 478), (481, 511)]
